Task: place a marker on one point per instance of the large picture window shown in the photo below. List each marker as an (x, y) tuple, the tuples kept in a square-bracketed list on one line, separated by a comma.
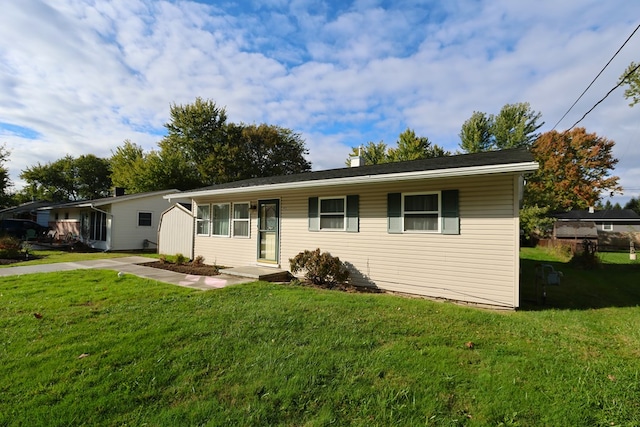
[(220, 220), (203, 220), (241, 220)]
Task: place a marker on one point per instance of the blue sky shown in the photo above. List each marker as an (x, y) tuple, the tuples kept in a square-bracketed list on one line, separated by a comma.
[(79, 77)]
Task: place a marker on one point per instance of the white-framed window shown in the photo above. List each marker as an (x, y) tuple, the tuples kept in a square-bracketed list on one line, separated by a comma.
[(607, 226), (426, 212), (220, 219), (241, 220), (144, 219), (421, 212), (333, 213), (203, 220)]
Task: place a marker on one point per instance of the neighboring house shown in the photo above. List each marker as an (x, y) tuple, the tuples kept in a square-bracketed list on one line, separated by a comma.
[(611, 228), (446, 227), (175, 231), (28, 210), (122, 222)]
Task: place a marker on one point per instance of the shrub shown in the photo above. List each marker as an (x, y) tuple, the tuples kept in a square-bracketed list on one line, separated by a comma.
[(198, 261), (10, 247), (586, 258), (180, 259), (320, 268), (162, 259)]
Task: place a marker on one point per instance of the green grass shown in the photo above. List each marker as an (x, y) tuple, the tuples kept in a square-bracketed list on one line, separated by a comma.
[(269, 354), (615, 282), (52, 256)]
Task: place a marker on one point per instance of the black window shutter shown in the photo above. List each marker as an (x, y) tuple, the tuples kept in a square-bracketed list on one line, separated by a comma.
[(450, 212), (394, 212), (314, 217), (352, 213)]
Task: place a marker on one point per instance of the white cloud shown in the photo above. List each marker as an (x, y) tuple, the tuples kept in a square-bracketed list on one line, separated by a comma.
[(88, 75)]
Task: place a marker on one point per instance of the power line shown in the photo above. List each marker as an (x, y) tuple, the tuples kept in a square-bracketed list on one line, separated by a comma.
[(595, 78), (620, 83)]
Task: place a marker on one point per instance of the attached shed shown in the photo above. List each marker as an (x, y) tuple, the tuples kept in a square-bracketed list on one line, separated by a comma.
[(175, 231)]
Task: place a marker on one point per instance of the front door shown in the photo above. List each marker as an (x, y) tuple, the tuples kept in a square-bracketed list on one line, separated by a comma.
[(268, 231)]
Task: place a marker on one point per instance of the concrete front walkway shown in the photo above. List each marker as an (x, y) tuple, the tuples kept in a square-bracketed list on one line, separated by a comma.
[(130, 265)]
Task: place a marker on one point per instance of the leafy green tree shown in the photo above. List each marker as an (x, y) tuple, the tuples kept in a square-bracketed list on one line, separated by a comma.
[(476, 133), (515, 126), (412, 147), (633, 204), (69, 178), (574, 170), (372, 153), (266, 150), (92, 176), (631, 78), (408, 147), (128, 167), (6, 198), (535, 221), (202, 149), (198, 132), (140, 172)]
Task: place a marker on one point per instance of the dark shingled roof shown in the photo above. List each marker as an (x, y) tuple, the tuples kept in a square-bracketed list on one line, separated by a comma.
[(605, 215), (488, 158)]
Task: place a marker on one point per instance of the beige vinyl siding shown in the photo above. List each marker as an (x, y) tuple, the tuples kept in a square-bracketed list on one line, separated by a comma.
[(175, 232), (229, 251), (479, 265)]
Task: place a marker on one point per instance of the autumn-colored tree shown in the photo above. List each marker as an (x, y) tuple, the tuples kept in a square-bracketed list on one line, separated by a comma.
[(574, 170)]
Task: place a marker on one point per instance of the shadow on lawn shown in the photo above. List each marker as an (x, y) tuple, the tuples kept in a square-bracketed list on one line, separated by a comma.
[(607, 285)]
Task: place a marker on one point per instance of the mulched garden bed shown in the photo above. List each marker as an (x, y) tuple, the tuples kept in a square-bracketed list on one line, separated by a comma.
[(196, 270)]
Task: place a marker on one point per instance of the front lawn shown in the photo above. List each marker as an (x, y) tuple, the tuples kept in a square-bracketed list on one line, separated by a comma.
[(89, 348), (54, 256)]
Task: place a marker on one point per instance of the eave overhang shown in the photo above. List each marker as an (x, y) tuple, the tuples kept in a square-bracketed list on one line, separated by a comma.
[(513, 168)]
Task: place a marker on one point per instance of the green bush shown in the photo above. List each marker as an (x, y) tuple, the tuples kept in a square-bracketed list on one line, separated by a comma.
[(320, 268), (180, 259), (10, 247)]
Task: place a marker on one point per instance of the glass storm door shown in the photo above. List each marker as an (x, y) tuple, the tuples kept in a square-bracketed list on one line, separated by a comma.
[(268, 230)]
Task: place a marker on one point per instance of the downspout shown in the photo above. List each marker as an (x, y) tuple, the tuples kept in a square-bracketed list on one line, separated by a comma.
[(108, 248)]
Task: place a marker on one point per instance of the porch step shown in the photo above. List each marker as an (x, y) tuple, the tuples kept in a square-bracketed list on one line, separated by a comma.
[(259, 273)]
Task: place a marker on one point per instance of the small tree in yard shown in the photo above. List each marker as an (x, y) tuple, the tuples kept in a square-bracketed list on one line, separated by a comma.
[(320, 268)]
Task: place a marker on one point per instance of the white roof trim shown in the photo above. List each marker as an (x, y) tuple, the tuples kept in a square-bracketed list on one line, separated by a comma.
[(368, 179)]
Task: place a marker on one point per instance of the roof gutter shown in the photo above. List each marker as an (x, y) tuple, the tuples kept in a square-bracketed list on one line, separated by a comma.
[(391, 177)]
